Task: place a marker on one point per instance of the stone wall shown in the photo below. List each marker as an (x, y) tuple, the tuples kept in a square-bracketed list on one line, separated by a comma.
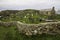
[(34, 29), (7, 24)]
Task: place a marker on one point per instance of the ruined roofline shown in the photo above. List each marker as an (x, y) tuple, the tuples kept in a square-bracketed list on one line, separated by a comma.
[(48, 9)]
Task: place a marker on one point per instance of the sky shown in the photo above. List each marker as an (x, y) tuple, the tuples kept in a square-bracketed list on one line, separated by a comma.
[(28, 4)]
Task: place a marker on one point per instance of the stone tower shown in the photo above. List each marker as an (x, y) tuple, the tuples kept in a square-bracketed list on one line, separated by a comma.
[(53, 11), (52, 16)]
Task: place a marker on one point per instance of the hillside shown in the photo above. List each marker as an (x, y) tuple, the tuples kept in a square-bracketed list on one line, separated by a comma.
[(28, 16), (21, 15)]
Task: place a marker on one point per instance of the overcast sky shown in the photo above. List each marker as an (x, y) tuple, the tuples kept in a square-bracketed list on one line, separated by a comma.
[(28, 4)]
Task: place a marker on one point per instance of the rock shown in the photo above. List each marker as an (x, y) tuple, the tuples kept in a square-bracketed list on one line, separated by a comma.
[(33, 29)]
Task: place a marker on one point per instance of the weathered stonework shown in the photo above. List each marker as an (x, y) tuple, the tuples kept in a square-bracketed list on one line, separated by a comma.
[(33, 29), (7, 24)]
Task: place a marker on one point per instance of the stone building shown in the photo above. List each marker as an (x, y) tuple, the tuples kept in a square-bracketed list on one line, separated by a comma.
[(49, 12)]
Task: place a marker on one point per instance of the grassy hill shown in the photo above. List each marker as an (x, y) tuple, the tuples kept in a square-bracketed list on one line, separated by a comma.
[(25, 16)]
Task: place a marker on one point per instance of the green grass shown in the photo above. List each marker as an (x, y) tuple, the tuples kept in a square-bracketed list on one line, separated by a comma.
[(35, 19), (11, 33), (5, 30)]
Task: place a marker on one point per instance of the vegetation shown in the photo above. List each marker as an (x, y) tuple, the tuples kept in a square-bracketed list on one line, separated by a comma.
[(11, 33), (25, 16)]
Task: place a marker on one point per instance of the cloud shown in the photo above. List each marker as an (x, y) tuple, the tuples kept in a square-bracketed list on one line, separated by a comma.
[(24, 4)]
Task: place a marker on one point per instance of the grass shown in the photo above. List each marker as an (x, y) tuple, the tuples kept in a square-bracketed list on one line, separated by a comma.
[(11, 33), (30, 19), (5, 30)]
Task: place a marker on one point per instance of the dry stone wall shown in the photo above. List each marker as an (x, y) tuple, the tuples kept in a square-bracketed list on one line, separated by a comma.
[(34, 29), (8, 24)]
